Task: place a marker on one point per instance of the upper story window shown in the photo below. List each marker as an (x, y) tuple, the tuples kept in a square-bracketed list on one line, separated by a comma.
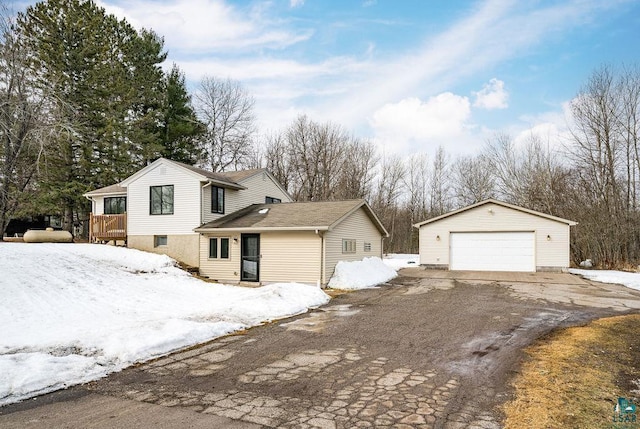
[(115, 205), (161, 200), (217, 199), (272, 200)]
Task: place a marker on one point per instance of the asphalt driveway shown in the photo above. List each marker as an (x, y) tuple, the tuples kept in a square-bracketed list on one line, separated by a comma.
[(433, 349)]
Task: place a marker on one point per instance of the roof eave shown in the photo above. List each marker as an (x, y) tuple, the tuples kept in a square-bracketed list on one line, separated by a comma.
[(227, 185), (499, 203), (262, 229)]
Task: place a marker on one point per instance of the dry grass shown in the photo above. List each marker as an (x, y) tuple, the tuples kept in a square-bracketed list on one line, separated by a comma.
[(573, 377)]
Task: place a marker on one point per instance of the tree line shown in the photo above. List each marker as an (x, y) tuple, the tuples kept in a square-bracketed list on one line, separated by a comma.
[(84, 103)]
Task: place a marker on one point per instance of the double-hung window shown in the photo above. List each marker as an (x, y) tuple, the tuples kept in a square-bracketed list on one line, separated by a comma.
[(217, 199), (218, 248), (115, 205), (161, 200)]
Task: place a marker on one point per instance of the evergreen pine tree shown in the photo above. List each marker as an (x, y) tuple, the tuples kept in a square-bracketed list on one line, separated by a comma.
[(180, 128), (108, 83)]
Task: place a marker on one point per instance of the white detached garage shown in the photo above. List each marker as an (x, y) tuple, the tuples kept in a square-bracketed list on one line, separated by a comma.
[(495, 236)]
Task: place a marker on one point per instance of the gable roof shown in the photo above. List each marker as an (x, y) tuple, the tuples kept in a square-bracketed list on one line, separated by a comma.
[(200, 173), (107, 190), (499, 203), (304, 216)]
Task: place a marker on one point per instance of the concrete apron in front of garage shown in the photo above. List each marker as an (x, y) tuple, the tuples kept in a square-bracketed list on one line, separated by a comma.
[(434, 349)]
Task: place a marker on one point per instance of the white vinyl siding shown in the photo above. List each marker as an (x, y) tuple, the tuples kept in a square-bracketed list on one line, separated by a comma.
[(290, 256), (549, 253), (285, 257), (259, 186), (492, 251), (359, 227), (186, 202)]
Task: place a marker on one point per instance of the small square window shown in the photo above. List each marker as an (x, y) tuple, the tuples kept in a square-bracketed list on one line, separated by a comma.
[(367, 247), (348, 245), (159, 240)]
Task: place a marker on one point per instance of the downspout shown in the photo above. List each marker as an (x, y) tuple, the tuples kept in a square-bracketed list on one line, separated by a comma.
[(322, 258)]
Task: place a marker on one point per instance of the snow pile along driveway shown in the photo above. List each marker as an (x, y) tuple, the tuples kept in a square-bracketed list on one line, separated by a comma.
[(361, 274), (401, 260), (630, 280), (72, 313)]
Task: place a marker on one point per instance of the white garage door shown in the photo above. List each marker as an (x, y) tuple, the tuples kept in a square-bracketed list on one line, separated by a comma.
[(492, 251)]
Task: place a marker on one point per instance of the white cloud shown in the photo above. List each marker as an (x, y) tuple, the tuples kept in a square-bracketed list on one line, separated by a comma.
[(492, 96), (412, 121), (552, 128), (296, 3), (196, 26), (270, 54)]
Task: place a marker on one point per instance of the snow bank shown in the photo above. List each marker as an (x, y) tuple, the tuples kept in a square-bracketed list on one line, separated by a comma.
[(361, 274), (630, 280), (401, 260), (71, 313)]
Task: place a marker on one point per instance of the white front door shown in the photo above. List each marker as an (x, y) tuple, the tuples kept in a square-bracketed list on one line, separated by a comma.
[(492, 251)]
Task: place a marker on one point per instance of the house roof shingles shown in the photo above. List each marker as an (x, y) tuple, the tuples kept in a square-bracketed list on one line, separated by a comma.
[(320, 215), (108, 190)]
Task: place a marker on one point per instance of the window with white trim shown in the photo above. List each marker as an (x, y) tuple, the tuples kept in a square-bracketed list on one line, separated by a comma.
[(348, 245)]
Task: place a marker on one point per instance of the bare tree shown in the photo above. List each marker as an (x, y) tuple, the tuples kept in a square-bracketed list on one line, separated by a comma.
[(276, 154), (440, 196), (472, 180), (226, 109), (355, 179), (386, 199), (26, 122)]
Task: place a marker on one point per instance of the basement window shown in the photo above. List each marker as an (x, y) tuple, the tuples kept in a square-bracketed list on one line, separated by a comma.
[(159, 240)]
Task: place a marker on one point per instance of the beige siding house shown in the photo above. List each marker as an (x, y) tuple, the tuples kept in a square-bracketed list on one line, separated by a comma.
[(300, 242), (157, 208), (495, 236)]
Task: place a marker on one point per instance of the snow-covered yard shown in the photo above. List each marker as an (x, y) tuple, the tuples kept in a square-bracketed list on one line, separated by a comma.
[(402, 260), (71, 313), (630, 280)]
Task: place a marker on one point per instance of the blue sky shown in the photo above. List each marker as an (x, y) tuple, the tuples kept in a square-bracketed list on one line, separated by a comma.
[(408, 74)]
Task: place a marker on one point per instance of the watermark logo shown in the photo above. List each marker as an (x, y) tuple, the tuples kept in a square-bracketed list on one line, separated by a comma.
[(624, 411)]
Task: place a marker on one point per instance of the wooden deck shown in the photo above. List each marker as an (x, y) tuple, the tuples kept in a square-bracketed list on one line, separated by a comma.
[(107, 227)]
